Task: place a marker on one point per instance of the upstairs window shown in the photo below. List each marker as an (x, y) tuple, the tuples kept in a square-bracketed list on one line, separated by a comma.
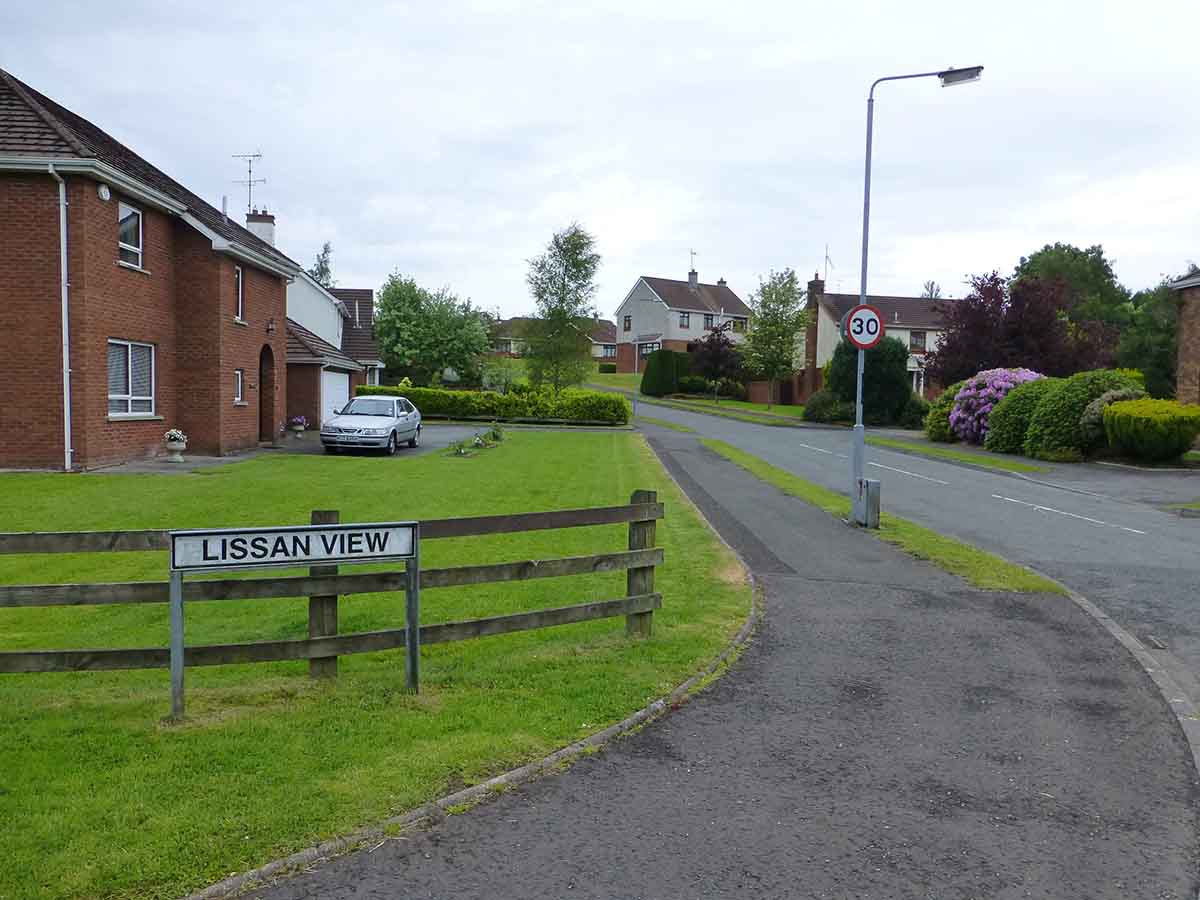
[(129, 234), (708, 321), (239, 295), (685, 320), (627, 323), (916, 340), (130, 378), (739, 324)]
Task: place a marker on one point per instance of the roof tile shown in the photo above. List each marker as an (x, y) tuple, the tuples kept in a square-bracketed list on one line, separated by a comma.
[(709, 298)]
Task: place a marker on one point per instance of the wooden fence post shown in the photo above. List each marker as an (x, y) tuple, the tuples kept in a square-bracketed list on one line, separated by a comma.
[(640, 580), (322, 610)]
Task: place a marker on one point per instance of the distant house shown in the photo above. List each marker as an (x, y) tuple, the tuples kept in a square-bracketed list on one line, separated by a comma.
[(603, 335), (129, 305), (917, 321), (663, 312), (1187, 371), (358, 331), (508, 336)]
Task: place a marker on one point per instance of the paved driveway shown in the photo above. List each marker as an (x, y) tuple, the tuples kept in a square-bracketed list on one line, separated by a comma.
[(433, 437)]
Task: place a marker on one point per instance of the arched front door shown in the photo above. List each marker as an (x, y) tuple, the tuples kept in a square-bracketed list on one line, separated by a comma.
[(266, 394)]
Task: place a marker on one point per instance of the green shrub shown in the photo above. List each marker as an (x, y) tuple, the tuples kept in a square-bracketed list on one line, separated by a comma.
[(1137, 376), (1091, 423), (1010, 419), (660, 376), (937, 420), (683, 365), (824, 406), (607, 369), (1153, 430), (573, 404), (731, 388), (887, 383), (1054, 432), (914, 412), (692, 384)]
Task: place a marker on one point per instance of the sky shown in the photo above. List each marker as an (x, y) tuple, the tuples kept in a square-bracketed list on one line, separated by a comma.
[(448, 141)]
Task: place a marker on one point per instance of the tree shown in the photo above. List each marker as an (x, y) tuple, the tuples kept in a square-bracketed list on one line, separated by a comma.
[(717, 357), (775, 327), (422, 333), (322, 268), (1095, 294), (1150, 342), (931, 290), (886, 382), (562, 282), (1025, 323)]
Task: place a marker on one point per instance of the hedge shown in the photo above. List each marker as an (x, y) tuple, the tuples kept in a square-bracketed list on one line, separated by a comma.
[(824, 406), (692, 384), (1054, 431), (1091, 423), (607, 369), (914, 412), (572, 404), (1152, 430), (661, 375), (937, 422), (1010, 419)]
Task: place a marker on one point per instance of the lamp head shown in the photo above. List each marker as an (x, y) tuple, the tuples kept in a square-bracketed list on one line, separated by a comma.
[(951, 77)]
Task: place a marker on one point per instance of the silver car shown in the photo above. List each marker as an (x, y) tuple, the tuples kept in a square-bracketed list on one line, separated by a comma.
[(380, 423)]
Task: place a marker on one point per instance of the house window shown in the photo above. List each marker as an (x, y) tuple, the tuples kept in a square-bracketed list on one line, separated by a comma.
[(239, 385), (373, 375), (708, 321), (239, 295), (627, 323), (739, 324), (129, 234), (685, 320), (610, 351), (130, 378), (647, 349), (916, 340)]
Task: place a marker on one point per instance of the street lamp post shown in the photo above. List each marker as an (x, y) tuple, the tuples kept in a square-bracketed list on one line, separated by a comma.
[(949, 78)]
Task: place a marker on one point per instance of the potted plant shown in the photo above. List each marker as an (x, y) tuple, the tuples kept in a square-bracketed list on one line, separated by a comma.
[(176, 443), (297, 424)]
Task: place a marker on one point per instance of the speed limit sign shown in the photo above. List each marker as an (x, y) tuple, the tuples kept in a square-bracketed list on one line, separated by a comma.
[(864, 327)]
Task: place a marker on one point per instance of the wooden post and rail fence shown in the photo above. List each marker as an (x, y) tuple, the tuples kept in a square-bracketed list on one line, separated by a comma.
[(325, 583)]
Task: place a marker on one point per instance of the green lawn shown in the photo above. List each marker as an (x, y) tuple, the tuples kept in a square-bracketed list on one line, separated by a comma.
[(100, 798), (939, 451), (980, 568), (663, 423), (624, 381), (705, 405)]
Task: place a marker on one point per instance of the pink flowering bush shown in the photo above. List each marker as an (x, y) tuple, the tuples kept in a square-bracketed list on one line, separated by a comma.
[(977, 398)]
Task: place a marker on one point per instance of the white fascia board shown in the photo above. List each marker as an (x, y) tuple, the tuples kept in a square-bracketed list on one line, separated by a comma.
[(630, 294), (100, 171), (303, 273), (239, 251), (1186, 282)]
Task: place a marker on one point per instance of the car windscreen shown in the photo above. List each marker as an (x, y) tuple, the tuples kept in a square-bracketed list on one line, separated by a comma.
[(361, 406)]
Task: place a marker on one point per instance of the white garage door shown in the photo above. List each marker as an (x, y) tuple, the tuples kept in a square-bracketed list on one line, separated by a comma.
[(335, 393)]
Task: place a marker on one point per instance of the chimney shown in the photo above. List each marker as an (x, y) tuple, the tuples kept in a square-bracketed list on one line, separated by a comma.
[(721, 282), (261, 225), (693, 281)]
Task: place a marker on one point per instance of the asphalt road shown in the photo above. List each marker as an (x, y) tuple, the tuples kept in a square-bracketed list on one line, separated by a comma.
[(1093, 528), (889, 733)]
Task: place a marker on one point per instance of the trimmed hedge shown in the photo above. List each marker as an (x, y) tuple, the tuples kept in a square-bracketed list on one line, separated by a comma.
[(572, 404), (824, 406), (607, 369), (937, 421), (661, 375), (1153, 430), (1091, 423), (1010, 419), (914, 412), (692, 384), (1054, 432)]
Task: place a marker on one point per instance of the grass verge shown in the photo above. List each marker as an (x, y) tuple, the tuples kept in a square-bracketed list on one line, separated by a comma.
[(990, 461), (982, 569), (722, 412), (100, 799), (725, 405), (663, 423)]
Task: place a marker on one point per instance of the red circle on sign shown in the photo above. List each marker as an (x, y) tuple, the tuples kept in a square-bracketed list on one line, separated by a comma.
[(864, 315)]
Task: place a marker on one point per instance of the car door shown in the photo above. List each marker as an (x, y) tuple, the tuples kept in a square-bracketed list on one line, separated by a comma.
[(409, 418)]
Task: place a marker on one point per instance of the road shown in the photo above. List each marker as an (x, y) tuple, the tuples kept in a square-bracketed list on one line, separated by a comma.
[(1093, 528)]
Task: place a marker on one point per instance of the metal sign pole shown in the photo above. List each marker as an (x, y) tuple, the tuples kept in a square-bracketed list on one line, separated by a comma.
[(858, 449), (412, 617), (176, 645)]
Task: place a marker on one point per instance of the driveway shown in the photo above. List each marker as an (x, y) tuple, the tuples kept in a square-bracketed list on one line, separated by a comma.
[(889, 733), (433, 437)]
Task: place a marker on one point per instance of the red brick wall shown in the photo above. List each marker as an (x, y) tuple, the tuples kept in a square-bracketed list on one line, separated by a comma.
[(357, 380), (304, 393), (31, 425), (1187, 373), (626, 358)]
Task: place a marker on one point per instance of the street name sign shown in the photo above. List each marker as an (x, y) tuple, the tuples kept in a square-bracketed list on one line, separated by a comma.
[(864, 326), (255, 548)]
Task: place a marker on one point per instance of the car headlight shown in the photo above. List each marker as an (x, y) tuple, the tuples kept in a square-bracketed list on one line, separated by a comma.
[(375, 432)]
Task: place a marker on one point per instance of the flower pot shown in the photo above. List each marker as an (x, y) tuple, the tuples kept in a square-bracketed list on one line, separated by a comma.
[(297, 430), (176, 448)]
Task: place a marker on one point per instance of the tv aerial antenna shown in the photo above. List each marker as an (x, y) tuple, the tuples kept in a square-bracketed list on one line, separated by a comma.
[(250, 181)]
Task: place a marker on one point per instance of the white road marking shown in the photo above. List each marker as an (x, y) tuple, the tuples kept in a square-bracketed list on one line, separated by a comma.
[(818, 449), (1072, 515), (909, 474)]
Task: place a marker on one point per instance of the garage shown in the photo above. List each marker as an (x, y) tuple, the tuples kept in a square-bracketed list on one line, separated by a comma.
[(335, 392)]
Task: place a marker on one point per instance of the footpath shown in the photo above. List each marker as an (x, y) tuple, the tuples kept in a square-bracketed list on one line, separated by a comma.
[(889, 733)]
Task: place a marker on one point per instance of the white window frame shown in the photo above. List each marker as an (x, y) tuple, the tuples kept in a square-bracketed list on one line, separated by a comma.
[(708, 321), (373, 376), (912, 345), (609, 351), (627, 323), (685, 320), (239, 385), (653, 345), (127, 397), (239, 309), (121, 245)]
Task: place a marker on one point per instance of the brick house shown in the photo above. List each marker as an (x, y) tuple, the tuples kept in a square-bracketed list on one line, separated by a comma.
[(135, 305), (663, 312), (603, 335), (1187, 366), (917, 321)]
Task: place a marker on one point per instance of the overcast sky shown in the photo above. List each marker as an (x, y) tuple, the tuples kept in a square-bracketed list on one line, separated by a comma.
[(448, 140)]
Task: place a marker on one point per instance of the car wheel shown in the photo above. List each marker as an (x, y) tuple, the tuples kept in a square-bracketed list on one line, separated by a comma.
[(415, 440), (390, 450)]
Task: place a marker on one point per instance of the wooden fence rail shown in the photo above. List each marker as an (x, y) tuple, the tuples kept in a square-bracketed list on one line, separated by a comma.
[(324, 585)]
